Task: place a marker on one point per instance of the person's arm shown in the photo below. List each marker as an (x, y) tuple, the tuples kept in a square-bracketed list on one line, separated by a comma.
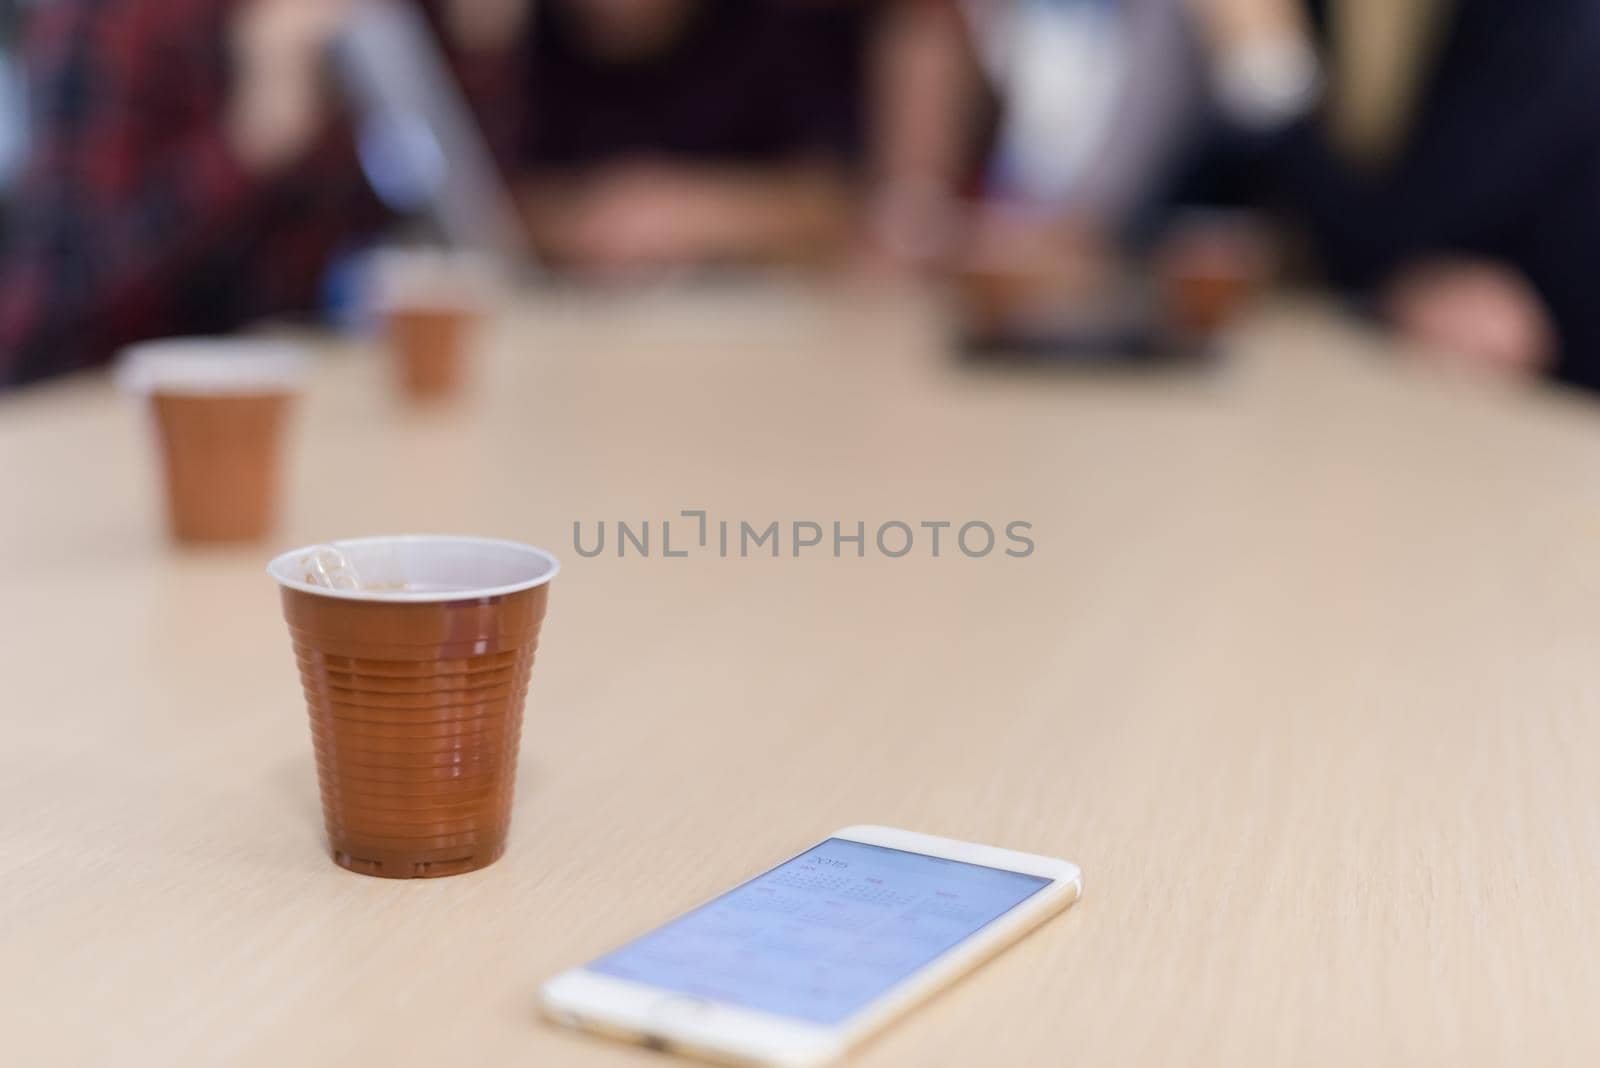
[(802, 211), (924, 88), (659, 214)]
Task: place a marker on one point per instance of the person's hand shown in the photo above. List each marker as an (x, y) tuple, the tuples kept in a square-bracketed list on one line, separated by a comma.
[(632, 217), (1068, 252), (277, 105), (1473, 313), (909, 226)]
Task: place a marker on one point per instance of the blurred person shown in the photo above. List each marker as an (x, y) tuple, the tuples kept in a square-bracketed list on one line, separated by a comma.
[(1445, 155), (194, 172), (1026, 134), (183, 175), (191, 169), (669, 132)]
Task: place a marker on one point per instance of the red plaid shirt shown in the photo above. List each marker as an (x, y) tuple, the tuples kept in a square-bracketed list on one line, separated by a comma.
[(134, 220)]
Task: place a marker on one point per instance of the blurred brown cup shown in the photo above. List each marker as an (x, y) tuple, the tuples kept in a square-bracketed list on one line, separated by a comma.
[(430, 346), (431, 303), (220, 407), (416, 782)]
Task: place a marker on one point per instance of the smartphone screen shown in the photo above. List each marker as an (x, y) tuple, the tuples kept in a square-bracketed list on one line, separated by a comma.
[(821, 936)]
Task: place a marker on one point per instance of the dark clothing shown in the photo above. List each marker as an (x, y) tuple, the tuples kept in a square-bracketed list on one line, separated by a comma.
[(133, 219), (748, 81), (1502, 161)]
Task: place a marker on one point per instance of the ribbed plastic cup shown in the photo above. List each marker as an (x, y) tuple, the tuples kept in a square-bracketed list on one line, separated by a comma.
[(220, 407), (415, 681)]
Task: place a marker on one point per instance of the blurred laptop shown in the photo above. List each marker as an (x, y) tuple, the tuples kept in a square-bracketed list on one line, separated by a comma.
[(419, 145)]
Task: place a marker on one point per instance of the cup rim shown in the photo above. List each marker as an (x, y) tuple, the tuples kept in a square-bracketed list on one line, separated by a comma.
[(279, 569), (212, 366), (403, 278)]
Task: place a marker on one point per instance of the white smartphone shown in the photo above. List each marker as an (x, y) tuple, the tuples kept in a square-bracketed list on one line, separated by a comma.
[(800, 963)]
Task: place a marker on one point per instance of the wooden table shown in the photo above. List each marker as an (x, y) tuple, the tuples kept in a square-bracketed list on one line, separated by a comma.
[(1303, 672)]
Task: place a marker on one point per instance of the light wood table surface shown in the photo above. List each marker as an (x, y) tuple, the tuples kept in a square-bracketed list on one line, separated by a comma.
[(1303, 672)]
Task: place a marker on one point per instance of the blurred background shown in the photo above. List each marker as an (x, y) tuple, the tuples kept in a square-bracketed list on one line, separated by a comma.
[(1272, 319), (1089, 180)]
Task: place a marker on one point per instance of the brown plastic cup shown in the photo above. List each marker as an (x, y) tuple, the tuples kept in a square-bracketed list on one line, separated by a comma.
[(415, 673), (220, 407), (400, 732), (431, 303), (429, 346), (380, 812), (409, 795)]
